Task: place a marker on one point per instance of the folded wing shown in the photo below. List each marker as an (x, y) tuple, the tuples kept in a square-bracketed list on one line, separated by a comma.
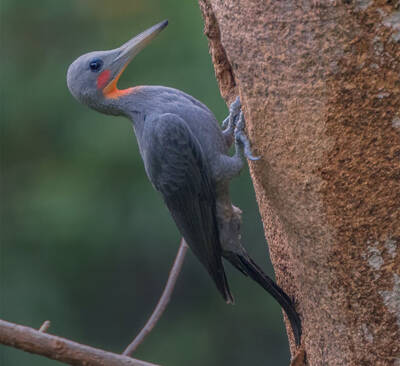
[(176, 166)]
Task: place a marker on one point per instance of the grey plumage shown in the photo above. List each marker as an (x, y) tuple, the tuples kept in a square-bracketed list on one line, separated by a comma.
[(185, 156), (178, 168)]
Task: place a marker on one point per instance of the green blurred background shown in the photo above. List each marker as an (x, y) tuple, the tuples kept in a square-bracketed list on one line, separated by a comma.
[(85, 240)]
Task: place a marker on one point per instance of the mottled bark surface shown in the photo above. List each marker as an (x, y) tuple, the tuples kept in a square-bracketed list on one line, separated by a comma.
[(320, 87)]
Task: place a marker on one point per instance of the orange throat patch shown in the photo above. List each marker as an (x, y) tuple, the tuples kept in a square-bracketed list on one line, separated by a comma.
[(110, 90)]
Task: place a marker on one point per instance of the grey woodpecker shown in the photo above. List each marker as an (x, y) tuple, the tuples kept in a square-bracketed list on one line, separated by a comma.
[(185, 155)]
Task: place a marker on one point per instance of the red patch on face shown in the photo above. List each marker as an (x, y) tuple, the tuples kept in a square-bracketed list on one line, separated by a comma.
[(103, 78)]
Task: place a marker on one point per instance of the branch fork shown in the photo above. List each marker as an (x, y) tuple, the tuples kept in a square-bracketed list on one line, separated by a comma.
[(73, 353)]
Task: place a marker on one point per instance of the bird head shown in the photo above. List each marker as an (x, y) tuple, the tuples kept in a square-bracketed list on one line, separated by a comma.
[(92, 78)]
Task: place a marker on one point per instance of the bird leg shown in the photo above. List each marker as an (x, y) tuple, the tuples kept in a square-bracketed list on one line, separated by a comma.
[(229, 123), (242, 143), (227, 167)]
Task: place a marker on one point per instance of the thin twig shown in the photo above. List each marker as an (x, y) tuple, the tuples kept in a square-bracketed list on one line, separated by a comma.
[(163, 302), (60, 349), (45, 326)]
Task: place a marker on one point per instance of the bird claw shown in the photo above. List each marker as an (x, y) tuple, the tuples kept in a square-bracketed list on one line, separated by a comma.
[(241, 138), (234, 125), (235, 107), (229, 122)]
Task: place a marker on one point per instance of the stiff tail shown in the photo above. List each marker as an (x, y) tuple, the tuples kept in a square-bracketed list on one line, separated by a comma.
[(247, 266), (222, 286)]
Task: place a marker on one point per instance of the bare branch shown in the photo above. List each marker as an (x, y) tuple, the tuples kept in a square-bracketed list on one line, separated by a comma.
[(164, 299), (73, 353), (60, 349)]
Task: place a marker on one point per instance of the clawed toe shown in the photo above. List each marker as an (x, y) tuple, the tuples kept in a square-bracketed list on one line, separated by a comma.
[(229, 122), (234, 108), (233, 125), (242, 139)]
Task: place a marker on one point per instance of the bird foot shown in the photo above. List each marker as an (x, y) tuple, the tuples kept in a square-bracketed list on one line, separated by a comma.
[(229, 122), (242, 141)]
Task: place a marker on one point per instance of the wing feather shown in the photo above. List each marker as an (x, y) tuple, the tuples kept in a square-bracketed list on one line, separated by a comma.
[(176, 166)]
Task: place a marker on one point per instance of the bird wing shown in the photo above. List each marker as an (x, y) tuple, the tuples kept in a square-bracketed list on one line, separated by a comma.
[(177, 168)]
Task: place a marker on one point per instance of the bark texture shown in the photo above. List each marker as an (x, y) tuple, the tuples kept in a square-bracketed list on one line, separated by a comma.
[(320, 88)]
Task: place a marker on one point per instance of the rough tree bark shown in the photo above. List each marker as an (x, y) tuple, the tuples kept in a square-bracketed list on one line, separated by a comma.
[(320, 88)]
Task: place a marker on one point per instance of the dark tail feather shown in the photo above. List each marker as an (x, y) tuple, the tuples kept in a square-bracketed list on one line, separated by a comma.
[(247, 266), (222, 286)]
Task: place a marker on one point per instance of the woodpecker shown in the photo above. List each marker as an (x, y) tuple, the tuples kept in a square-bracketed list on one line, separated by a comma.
[(185, 155)]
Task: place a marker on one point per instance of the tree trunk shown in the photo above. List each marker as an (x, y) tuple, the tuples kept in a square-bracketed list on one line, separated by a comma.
[(320, 88)]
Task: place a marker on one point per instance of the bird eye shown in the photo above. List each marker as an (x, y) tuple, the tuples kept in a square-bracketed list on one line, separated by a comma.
[(95, 65)]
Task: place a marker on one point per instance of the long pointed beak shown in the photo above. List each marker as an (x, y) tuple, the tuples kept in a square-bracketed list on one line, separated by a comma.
[(131, 48), (127, 52)]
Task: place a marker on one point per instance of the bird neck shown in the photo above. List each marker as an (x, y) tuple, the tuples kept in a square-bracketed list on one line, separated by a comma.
[(116, 102), (130, 103)]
